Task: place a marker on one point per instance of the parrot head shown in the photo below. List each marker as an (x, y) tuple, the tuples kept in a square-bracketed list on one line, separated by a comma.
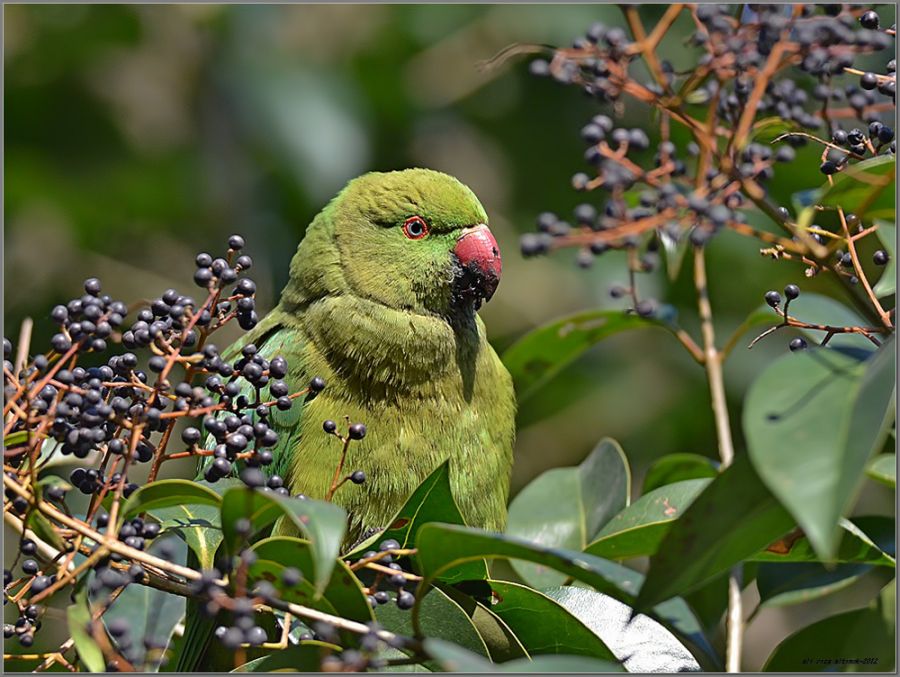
[(414, 240)]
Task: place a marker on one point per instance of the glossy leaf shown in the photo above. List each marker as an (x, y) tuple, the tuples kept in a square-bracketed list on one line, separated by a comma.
[(343, 593), (453, 658), (566, 507), (307, 657), (860, 635), (198, 525), (732, 518), (864, 188), (543, 352), (641, 643), (502, 643), (812, 420), (638, 530), (887, 283), (166, 494), (529, 613), (796, 583), (678, 468), (323, 524), (871, 539), (432, 501), (151, 614), (443, 547), (439, 617), (78, 616), (855, 547), (883, 469)]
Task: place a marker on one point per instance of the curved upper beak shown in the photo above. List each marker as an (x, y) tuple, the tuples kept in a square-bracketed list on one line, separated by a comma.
[(479, 256)]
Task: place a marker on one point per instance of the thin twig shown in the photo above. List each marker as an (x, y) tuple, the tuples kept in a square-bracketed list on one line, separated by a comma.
[(713, 364)]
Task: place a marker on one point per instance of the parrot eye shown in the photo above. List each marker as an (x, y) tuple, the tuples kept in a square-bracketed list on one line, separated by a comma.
[(415, 228)]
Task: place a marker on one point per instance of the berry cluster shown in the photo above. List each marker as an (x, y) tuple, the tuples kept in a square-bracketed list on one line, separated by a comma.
[(110, 419), (123, 413), (791, 63)]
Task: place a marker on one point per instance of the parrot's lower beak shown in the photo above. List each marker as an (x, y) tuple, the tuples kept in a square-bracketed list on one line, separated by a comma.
[(479, 263)]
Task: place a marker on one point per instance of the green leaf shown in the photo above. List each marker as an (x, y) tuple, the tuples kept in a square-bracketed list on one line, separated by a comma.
[(812, 420), (867, 540), (796, 583), (674, 468), (641, 643), (542, 353), (151, 614), (501, 641), (198, 525), (79, 617), (444, 547), (851, 636), (855, 547), (453, 658), (16, 438), (883, 469), (343, 592), (432, 501), (862, 188), (307, 657), (887, 283), (734, 517), (439, 617), (766, 130), (529, 613), (323, 524), (566, 507), (44, 529), (638, 530), (168, 493)]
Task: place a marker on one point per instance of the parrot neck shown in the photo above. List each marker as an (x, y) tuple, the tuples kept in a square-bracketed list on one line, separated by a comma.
[(394, 353)]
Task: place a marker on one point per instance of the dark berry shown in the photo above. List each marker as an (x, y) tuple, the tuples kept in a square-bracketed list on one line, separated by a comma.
[(791, 292), (773, 298), (358, 477), (869, 20), (405, 600), (797, 344), (235, 242), (881, 257), (828, 168), (357, 431), (329, 427)]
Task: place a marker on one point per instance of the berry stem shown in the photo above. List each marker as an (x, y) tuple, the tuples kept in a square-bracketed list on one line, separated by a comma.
[(336, 480), (860, 273), (713, 362)]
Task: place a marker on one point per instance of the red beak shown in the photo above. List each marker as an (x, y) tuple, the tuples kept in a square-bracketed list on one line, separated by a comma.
[(479, 256)]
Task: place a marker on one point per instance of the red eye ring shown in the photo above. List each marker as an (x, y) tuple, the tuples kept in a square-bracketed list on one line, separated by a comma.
[(415, 228)]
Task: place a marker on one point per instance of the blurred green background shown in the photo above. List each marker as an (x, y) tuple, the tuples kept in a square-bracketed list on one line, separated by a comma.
[(136, 136)]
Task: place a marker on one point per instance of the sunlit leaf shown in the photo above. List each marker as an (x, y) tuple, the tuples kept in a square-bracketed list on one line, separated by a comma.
[(638, 530), (566, 507)]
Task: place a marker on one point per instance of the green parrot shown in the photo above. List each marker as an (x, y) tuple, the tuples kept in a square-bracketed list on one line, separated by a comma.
[(381, 303)]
